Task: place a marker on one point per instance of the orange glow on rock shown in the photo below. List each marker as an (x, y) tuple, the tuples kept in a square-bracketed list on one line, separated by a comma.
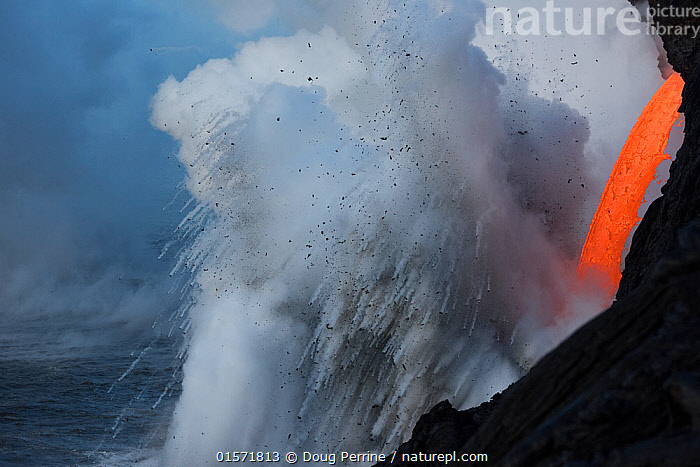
[(624, 193)]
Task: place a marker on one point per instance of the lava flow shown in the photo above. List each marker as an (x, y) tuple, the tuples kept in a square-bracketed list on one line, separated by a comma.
[(628, 182)]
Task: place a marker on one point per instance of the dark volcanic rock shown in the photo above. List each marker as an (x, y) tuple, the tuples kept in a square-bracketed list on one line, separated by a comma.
[(443, 429), (683, 49)]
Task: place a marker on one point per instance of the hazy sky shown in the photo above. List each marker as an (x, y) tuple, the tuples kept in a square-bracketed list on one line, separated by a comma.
[(84, 175)]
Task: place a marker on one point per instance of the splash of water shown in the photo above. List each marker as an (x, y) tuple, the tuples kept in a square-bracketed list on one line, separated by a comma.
[(358, 232)]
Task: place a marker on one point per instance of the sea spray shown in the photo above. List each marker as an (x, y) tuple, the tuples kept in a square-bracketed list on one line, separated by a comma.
[(362, 250)]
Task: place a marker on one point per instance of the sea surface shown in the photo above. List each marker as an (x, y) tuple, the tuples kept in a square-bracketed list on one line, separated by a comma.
[(80, 395)]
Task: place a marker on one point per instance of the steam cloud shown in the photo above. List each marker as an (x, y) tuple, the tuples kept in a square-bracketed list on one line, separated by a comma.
[(387, 215), (77, 194)]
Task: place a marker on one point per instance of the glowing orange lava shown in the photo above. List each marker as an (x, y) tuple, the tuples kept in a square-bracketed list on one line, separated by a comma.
[(628, 182)]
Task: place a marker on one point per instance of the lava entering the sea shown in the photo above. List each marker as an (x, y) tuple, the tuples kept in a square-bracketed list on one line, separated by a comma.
[(624, 193)]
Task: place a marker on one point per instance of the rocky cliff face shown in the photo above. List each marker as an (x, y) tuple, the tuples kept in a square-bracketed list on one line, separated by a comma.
[(624, 389), (683, 49)]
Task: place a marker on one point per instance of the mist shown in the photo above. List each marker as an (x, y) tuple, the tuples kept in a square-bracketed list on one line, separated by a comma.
[(84, 177), (388, 214)]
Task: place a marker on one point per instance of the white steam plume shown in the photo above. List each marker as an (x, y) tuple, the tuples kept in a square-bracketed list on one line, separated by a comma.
[(379, 228)]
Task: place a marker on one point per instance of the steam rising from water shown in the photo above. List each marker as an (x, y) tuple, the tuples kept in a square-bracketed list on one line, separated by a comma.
[(379, 226)]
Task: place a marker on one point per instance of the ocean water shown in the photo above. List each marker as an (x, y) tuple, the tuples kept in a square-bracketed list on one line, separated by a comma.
[(64, 404)]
